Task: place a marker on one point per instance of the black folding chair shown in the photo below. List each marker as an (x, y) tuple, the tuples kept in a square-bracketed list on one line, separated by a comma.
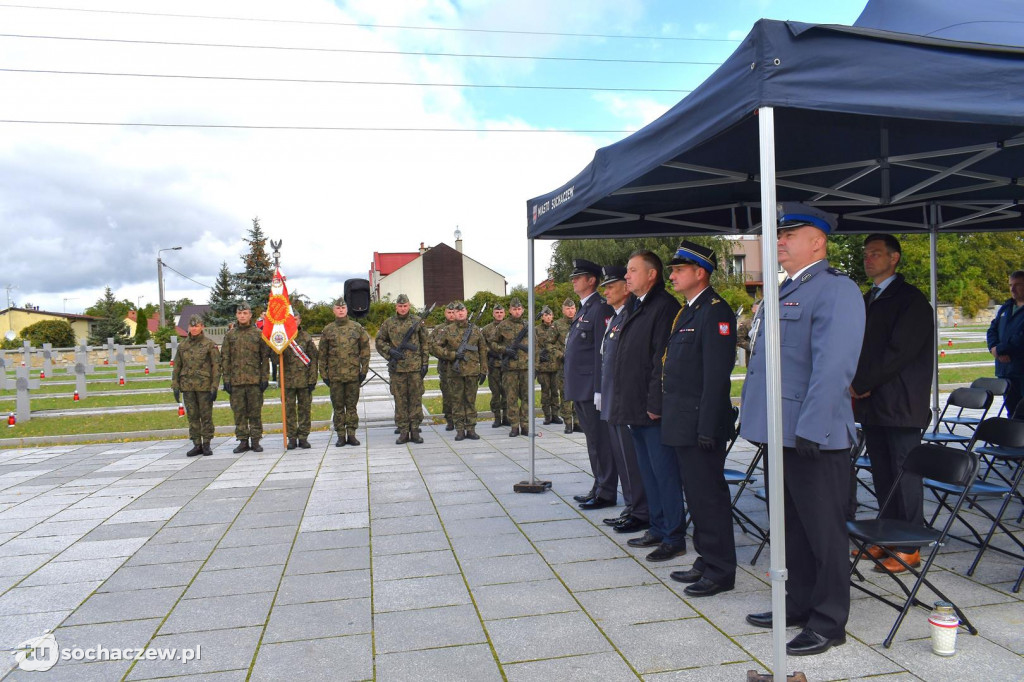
[(953, 416), (742, 480), (1002, 440), (935, 462), (859, 462)]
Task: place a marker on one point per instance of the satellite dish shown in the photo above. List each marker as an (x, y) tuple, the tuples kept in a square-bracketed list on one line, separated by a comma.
[(10, 335)]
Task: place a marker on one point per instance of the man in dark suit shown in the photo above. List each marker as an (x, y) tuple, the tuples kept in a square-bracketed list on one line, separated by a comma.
[(698, 417), (1005, 341), (893, 383), (821, 327), (635, 516), (583, 381), (637, 403)]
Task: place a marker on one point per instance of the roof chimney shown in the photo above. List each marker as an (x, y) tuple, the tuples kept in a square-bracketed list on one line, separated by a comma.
[(423, 249), (458, 239)]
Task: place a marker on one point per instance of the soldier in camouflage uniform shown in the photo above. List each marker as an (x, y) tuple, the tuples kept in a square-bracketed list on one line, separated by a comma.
[(563, 324), (463, 345), (196, 377), (299, 382), (550, 350), (443, 367), (498, 402), (406, 367), (344, 362), (245, 366), (514, 364)]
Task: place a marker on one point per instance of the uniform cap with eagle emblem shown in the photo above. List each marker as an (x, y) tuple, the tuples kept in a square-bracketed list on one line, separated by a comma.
[(690, 253)]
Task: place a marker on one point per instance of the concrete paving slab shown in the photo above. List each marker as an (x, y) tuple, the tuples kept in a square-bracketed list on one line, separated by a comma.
[(545, 636), (433, 628), (312, 587), (314, 620), (607, 667), (337, 659), (473, 663)]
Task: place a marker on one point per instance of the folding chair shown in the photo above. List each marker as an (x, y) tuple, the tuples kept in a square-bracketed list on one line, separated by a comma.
[(1003, 441), (959, 400), (743, 479), (935, 462), (860, 462)]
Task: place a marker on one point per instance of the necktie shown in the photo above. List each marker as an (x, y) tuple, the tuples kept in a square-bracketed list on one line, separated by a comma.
[(873, 294), (636, 305), (785, 283)]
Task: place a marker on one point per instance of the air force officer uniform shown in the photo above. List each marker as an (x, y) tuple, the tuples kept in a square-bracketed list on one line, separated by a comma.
[(821, 327)]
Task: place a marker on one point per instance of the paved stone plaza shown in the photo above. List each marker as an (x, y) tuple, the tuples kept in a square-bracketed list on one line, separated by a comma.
[(405, 563)]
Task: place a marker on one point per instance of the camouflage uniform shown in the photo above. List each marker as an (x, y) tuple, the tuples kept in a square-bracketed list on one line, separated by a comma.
[(514, 364), (466, 372), (406, 374), (344, 362), (550, 350), (494, 374), (562, 324), (443, 373), (299, 382), (245, 366), (196, 375)]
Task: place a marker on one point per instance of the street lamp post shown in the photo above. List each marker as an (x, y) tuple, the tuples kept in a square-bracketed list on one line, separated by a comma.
[(160, 279)]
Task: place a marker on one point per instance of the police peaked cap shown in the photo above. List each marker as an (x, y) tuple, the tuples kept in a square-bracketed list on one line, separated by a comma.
[(581, 266), (613, 273), (690, 253), (795, 214)]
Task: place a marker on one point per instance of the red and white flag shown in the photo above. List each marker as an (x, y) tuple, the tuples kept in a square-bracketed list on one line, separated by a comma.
[(279, 327)]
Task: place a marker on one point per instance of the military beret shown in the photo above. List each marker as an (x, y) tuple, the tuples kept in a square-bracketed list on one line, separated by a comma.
[(795, 214), (581, 266), (546, 311), (402, 298), (498, 306), (459, 305), (613, 273), (242, 307), (568, 303), (689, 253), (340, 302), (195, 321), (515, 303)]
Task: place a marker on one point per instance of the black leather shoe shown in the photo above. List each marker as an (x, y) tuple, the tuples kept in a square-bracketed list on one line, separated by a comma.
[(584, 498), (705, 588), (764, 620), (809, 643), (691, 575), (645, 540), (631, 525), (596, 503), (613, 521), (665, 551)]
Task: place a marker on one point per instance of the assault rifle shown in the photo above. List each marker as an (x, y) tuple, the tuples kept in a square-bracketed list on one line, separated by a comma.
[(397, 354), (460, 353), (515, 346)]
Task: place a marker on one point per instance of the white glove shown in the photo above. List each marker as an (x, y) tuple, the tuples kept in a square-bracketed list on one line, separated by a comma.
[(597, 401)]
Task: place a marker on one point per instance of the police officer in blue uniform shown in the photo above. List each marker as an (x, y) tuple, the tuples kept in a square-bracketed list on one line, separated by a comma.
[(1005, 341), (698, 416), (821, 327), (583, 381)]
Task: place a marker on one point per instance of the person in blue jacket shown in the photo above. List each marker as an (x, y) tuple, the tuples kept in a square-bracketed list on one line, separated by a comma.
[(1006, 342), (821, 328)]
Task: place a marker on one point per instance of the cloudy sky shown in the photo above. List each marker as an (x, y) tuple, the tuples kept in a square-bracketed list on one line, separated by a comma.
[(346, 127)]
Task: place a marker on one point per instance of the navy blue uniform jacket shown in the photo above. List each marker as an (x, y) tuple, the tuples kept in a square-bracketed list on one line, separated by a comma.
[(699, 358), (582, 368), (1006, 333)]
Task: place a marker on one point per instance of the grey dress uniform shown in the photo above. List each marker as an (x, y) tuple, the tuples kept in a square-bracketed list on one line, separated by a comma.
[(821, 328)]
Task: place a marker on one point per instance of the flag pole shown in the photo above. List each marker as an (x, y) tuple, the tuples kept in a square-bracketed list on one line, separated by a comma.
[(284, 415)]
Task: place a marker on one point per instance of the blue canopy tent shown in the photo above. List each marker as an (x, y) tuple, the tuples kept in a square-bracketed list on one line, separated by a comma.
[(911, 120)]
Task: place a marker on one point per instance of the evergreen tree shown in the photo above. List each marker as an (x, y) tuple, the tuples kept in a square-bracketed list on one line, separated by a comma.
[(222, 299), (141, 326), (253, 283), (111, 322)]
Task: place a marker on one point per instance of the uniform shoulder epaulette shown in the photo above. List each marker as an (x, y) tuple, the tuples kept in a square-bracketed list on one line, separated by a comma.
[(836, 273)]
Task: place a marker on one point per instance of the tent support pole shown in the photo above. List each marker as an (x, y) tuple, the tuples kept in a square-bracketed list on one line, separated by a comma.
[(776, 518), (532, 485), (933, 241)]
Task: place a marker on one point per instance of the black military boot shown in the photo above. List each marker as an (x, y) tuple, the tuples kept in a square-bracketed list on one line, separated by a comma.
[(514, 432), (351, 439), (243, 446), (524, 430), (449, 425), (471, 433), (207, 449), (556, 419), (292, 444), (398, 430), (568, 425), (304, 444), (460, 435), (255, 445), (576, 426), (547, 419), (197, 449), (497, 420), (415, 436), (504, 419), (403, 438)]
